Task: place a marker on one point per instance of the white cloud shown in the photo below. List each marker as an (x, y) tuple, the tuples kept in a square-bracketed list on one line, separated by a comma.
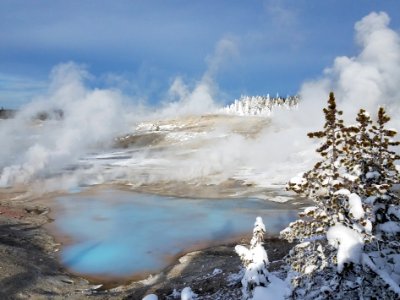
[(280, 13)]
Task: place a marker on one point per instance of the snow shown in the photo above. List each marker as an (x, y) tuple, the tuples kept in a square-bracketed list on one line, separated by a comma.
[(156, 127), (243, 252), (175, 294), (309, 209), (276, 290), (394, 211), (234, 278), (344, 192), (145, 127), (372, 175), (303, 245), (150, 297), (168, 127), (259, 224), (356, 208), (298, 180), (216, 272), (370, 200), (367, 227), (310, 268), (255, 260), (366, 260), (390, 227), (348, 242), (259, 255), (182, 136), (350, 177), (355, 204), (188, 294)]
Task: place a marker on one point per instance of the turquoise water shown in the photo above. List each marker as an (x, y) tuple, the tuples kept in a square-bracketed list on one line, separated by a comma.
[(118, 233)]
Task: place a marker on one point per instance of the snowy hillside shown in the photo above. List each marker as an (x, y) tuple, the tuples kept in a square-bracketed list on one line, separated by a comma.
[(260, 105)]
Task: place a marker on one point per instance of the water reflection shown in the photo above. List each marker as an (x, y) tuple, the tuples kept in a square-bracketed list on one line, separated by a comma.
[(118, 233)]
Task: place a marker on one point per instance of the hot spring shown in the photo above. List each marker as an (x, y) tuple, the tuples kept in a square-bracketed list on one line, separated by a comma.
[(114, 234)]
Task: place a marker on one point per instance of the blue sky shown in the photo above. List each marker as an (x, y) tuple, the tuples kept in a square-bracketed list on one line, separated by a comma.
[(141, 46)]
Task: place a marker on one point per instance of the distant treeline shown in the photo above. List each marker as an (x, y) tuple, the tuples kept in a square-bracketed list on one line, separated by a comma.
[(260, 105), (54, 114), (7, 113)]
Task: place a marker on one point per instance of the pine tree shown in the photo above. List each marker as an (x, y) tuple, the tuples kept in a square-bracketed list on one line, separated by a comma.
[(255, 261), (372, 160), (358, 152), (323, 185), (322, 182), (345, 237), (357, 164), (384, 173), (382, 251), (323, 179)]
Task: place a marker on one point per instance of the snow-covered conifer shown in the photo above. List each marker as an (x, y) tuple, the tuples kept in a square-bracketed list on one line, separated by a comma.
[(255, 261), (358, 150), (323, 183), (384, 174), (382, 253), (259, 105), (323, 180), (188, 294), (372, 159), (351, 189)]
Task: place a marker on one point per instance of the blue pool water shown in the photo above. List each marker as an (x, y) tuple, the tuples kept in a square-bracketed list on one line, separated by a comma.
[(119, 233)]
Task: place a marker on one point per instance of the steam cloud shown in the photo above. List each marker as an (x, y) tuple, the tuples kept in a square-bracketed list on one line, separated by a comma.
[(93, 117), (89, 118), (368, 80), (202, 99)]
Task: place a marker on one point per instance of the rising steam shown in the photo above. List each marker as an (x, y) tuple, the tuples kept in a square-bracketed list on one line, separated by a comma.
[(91, 118)]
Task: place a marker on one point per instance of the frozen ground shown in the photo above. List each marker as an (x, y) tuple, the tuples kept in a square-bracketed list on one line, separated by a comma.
[(200, 156), (193, 156)]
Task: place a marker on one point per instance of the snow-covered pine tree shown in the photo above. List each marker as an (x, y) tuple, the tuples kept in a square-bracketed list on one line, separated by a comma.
[(332, 233), (255, 261), (382, 254), (357, 161), (372, 160), (322, 182), (358, 154), (384, 173)]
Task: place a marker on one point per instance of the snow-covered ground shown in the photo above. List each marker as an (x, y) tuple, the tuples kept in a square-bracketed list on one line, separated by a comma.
[(240, 153), (200, 150)]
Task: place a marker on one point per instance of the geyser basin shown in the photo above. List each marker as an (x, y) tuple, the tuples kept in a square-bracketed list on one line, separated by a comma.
[(118, 233)]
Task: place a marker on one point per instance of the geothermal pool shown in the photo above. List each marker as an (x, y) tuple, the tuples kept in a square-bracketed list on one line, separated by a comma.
[(114, 233)]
